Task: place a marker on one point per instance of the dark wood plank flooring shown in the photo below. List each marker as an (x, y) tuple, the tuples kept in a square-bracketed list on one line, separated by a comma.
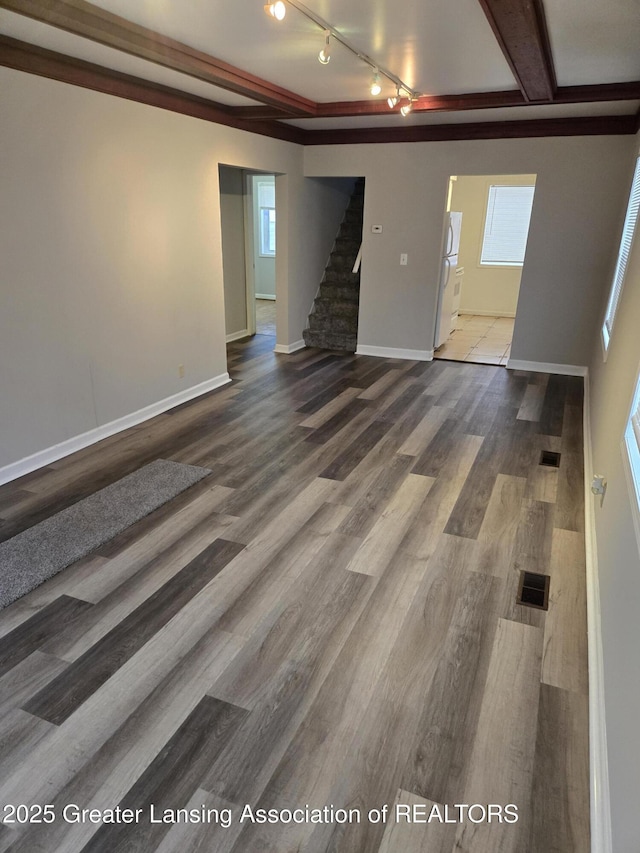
[(328, 619)]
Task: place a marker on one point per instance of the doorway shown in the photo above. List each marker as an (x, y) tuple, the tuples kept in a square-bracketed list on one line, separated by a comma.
[(248, 226), (262, 203), (479, 288)]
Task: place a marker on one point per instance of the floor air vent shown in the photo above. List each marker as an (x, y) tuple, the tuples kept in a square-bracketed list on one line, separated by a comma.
[(550, 458), (533, 590)]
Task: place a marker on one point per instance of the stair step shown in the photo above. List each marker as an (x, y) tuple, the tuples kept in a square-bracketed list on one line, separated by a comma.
[(342, 261), (351, 231), (330, 340), (341, 292), (346, 246), (335, 307), (352, 215), (332, 276), (333, 323)]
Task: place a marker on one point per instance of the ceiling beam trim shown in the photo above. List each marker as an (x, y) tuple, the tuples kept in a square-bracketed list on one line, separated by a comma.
[(521, 30), (56, 66), (455, 103), (524, 129), (89, 21)]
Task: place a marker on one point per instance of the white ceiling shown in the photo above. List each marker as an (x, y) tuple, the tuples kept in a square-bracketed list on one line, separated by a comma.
[(594, 41), (437, 47), (424, 43)]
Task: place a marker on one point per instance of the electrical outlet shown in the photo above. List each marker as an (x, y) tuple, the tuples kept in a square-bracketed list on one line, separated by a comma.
[(181, 371), (404, 259)]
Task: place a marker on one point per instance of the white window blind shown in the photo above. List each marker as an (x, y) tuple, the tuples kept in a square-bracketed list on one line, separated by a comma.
[(632, 442), (267, 205), (624, 251), (635, 423), (506, 225)]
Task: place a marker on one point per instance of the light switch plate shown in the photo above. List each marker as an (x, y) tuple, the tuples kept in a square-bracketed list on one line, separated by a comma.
[(376, 229), (404, 260)]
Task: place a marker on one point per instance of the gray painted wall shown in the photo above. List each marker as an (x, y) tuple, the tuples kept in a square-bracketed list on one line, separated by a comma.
[(580, 183), (110, 240), (233, 249), (611, 385)]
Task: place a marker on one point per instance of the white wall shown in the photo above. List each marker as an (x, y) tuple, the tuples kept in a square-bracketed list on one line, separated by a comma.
[(612, 383), (234, 263), (485, 290), (111, 255), (580, 181)]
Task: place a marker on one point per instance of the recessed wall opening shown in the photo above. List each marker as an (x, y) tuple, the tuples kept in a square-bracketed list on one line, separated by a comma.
[(248, 225), (485, 235)]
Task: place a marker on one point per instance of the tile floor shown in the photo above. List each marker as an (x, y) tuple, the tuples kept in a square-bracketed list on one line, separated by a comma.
[(484, 340), (266, 317)]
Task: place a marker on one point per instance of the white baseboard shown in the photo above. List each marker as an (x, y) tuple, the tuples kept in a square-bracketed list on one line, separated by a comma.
[(270, 296), (601, 841), (235, 336), (547, 367), (469, 312), (392, 352), (78, 442), (287, 349)]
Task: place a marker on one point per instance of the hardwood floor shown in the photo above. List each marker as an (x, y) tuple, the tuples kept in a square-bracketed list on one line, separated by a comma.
[(328, 619)]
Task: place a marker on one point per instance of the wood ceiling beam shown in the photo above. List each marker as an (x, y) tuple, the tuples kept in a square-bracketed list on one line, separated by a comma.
[(456, 103), (521, 30), (56, 66), (46, 63), (525, 129), (84, 19)]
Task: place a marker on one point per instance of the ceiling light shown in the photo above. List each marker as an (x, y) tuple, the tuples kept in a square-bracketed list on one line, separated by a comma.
[(394, 99), (376, 88), (325, 54), (406, 108), (278, 10)]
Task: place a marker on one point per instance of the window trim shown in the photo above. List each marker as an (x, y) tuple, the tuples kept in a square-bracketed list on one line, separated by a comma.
[(503, 264), (625, 247), (262, 208)]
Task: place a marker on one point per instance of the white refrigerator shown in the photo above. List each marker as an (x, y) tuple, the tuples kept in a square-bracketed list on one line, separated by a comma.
[(445, 315)]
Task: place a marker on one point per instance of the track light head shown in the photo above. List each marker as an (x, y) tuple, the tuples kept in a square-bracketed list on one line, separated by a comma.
[(376, 88), (277, 10), (405, 109), (325, 54), (394, 100)]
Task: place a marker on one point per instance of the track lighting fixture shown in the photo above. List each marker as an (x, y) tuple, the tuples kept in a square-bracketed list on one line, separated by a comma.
[(325, 54), (394, 99), (278, 10), (406, 108)]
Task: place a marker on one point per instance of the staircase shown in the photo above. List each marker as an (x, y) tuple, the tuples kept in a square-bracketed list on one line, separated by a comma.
[(333, 322)]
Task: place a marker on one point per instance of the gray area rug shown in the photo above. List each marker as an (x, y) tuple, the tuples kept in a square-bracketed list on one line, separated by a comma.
[(36, 554)]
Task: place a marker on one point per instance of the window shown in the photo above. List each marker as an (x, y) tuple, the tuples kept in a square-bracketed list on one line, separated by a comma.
[(506, 225), (267, 206), (624, 251), (632, 442)]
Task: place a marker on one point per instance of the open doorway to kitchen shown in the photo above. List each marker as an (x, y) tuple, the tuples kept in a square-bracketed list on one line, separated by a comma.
[(486, 230)]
